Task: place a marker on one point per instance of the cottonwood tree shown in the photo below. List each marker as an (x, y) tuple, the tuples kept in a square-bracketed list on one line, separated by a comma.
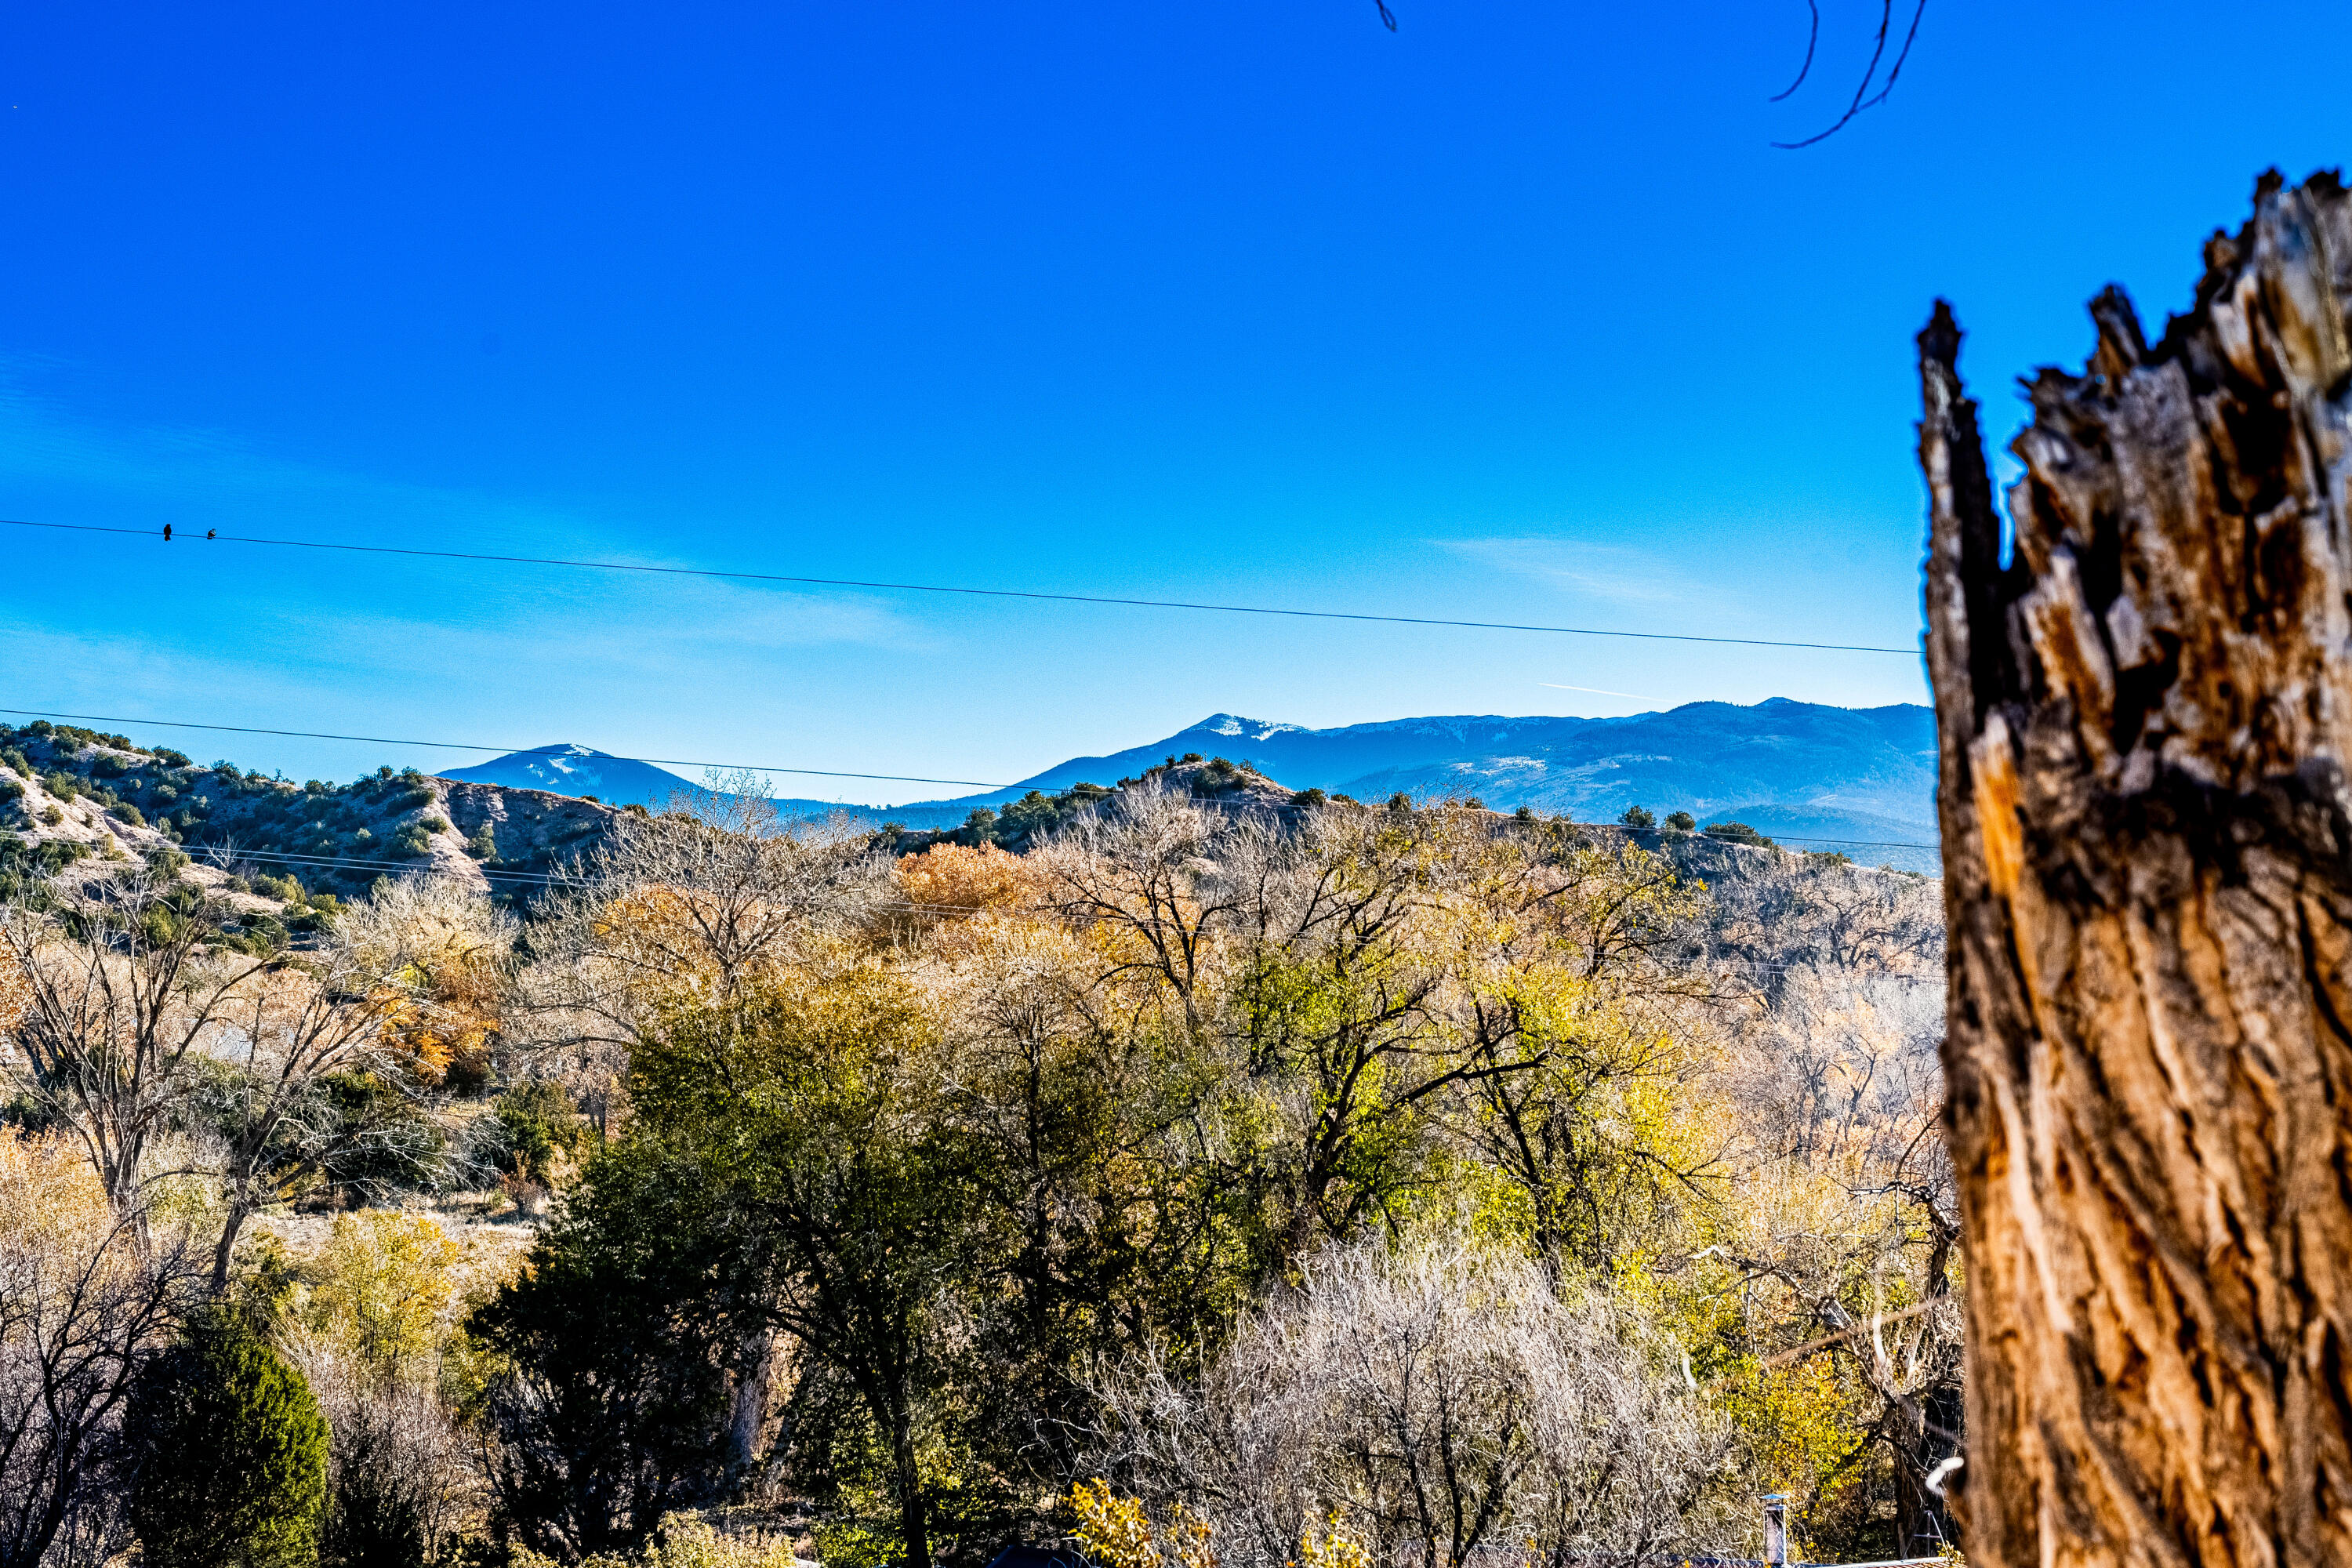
[(716, 895), (1438, 1406), (120, 997), (84, 1300), (1323, 964), (2146, 727)]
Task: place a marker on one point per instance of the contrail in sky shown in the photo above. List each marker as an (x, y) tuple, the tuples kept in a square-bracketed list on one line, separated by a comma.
[(1596, 691)]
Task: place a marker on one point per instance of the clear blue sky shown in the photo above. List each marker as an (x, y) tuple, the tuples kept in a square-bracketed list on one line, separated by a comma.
[(1511, 314)]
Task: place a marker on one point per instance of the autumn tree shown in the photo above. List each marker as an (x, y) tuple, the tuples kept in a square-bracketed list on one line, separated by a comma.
[(818, 1106), (84, 1303), (715, 896), (965, 1136)]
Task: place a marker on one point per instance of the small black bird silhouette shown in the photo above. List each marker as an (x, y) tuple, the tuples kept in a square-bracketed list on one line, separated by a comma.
[(167, 533), (210, 532)]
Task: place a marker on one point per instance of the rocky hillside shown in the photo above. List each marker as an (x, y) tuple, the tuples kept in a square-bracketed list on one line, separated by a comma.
[(1860, 779), (75, 801), (69, 795)]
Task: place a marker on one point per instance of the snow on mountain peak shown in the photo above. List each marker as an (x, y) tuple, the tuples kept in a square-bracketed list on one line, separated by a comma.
[(1234, 724)]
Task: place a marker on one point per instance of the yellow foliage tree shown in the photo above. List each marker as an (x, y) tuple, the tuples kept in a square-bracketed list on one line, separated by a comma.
[(383, 1286), (1117, 1532), (949, 879)]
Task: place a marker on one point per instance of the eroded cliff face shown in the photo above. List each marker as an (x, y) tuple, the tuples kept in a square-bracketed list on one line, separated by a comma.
[(532, 831), (2146, 725)]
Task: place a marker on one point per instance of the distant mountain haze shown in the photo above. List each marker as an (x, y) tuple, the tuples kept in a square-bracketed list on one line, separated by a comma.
[(578, 770), (1791, 769)]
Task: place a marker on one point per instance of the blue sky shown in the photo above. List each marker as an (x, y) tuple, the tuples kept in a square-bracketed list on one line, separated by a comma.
[(1512, 314)]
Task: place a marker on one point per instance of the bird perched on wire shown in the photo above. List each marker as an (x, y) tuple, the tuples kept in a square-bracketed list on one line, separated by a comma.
[(210, 532), (167, 533)]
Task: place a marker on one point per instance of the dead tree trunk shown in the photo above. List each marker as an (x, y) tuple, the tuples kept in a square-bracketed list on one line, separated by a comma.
[(2146, 797)]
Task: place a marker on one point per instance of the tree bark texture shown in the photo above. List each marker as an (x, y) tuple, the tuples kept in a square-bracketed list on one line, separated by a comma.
[(2146, 725)]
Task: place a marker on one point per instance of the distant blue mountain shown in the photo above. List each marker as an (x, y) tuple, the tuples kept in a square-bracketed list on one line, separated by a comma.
[(1796, 770), (577, 769), (580, 771), (1793, 769)]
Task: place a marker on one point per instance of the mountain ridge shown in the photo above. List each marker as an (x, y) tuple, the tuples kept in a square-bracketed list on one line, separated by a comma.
[(559, 768), (1862, 775)]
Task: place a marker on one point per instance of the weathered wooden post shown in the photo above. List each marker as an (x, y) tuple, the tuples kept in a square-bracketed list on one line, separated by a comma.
[(2146, 729), (1776, 1529)]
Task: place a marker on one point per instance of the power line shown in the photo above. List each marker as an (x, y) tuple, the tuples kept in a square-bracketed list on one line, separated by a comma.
[(220, 858), (512, 751), (901, 778), (976, 592)]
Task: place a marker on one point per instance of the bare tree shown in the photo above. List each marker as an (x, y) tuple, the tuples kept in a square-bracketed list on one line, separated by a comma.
[(138, 1028), (712, 895), (82, 1301), (1153, 871), (121, 997), (1772, 912), (2146, 723), (273, 1042), (1434, 1406)]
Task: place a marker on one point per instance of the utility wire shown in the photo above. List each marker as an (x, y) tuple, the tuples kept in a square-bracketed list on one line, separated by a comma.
[(512, 751), (216, 538), (751, 767), (221, 858)]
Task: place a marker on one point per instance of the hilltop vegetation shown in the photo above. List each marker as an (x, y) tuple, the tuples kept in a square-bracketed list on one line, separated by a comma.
[(762, 1188), (1790, 768), (1794, 769), (68, 794)]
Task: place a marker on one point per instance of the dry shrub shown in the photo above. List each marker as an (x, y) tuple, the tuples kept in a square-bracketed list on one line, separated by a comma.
[(1118, 1532), (84, 1298), (385, 1286), (714, 1539), (1434, 1406), (51, 1201), (948, 879), (16, 989), (371, 1339), (447, 952)]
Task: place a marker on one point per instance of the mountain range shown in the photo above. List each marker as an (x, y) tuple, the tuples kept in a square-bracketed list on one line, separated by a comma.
[(1864, 778)]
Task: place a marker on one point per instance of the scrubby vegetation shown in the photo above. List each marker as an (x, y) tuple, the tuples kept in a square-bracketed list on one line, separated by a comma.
[(1281, 1180), (83, 789)]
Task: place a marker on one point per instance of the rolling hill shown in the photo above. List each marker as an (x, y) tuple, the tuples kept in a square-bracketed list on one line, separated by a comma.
[(1795, 770)]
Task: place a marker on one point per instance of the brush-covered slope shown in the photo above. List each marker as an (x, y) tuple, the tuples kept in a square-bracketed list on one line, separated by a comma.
[(1863, 778), (70, 795), (1792, 769)]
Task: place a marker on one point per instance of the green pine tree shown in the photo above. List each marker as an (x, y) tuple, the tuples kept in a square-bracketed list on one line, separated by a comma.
[(231, 1454)]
